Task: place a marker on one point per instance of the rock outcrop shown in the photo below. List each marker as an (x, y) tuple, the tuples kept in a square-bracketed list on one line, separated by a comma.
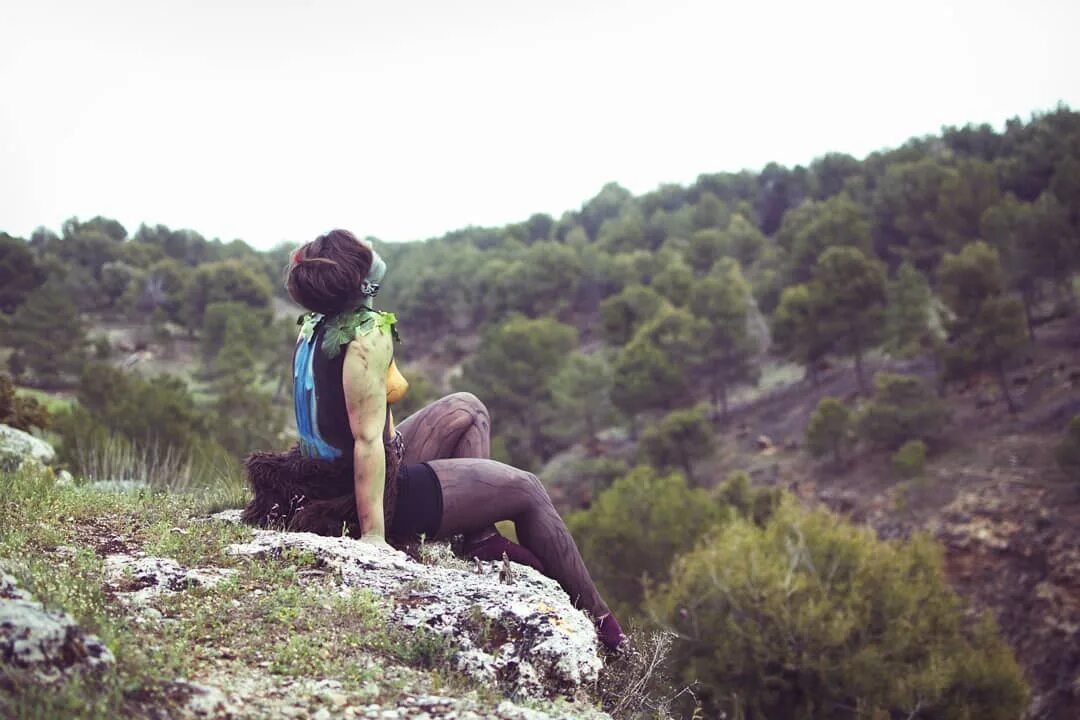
[(17, 447), (516, 629), (42, 646)]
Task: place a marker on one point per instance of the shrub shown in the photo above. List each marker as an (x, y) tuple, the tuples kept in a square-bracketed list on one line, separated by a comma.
[(903, 408), (829, 429), (756, 504), (812, 617), (22, 413), (910, 460), (681, 437), (1068, 450), (637, 527), (155, 413)]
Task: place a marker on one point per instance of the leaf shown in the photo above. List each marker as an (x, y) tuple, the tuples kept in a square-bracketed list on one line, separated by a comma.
[(347, 326)]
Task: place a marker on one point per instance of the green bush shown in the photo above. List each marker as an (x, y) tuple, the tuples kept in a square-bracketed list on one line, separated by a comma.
[(1068, 450), (679, 439), (756, 504), (829, 429), (22, 413), (637, 527), (903, 408), (812, 617), (910, 460)]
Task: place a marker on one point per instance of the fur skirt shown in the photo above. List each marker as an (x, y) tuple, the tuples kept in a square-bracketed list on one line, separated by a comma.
[(303, 494)]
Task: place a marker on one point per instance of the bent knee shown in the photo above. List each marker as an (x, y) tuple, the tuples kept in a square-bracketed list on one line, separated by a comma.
[(468, 402), (531, 484)]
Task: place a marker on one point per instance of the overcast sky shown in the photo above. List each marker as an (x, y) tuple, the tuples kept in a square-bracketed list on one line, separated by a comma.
[(272, 121)]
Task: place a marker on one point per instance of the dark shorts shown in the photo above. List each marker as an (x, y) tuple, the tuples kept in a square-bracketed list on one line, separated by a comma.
[(419, 506)]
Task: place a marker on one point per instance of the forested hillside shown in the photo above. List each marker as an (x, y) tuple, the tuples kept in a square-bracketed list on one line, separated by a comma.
[(679, 367)]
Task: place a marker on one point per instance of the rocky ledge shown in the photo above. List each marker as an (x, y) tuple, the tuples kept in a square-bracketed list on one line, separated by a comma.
[(512, 625), (42, 646)]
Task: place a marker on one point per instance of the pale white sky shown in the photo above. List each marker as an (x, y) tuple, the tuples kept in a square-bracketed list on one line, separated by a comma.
[(273, 121)]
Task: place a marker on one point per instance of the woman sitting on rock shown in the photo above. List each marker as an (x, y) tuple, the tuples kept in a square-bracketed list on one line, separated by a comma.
[(353, 472)]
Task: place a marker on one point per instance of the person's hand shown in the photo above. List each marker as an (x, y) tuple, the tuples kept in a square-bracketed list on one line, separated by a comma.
[(374, 539)]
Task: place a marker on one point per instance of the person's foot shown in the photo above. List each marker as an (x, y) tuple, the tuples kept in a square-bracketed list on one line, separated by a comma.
[(610, 634), (493, 545)]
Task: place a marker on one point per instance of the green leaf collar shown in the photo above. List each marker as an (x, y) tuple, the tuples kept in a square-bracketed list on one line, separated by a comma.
[(345, 327)]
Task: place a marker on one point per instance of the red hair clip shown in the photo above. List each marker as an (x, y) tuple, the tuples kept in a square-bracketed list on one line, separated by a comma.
[(296, 257)]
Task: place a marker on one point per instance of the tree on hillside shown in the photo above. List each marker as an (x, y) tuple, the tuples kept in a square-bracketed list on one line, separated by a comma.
[(19, 273), (624, 313), (680, 438), (830, 173), (1038, 245), (117, 278), (1009, 226), (908, 327), (225, 281), (801, 329), (1065, 185), (829, 430), (965, 193), (704, 248), (852, 288), (903, 408), (674, 282), (512, 370), (905, 206), (652, 372), (721, 301), (743, 241), (624, 233), (608, 203), (710, 212), (48, 335), (988, 328), (581, 391), (816, 226)]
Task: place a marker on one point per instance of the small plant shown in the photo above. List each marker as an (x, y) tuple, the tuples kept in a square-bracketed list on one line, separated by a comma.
[(829, 430), (910, 460), (1068, 450), (903, 408)]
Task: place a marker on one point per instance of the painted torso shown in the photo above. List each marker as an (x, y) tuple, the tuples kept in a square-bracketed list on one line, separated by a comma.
[(322, 419)]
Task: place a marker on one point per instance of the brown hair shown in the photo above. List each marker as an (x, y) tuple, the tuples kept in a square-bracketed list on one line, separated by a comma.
[(325, 274)]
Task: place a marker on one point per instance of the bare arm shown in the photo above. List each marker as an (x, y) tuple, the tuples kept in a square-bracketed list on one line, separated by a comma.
[(364, 382)]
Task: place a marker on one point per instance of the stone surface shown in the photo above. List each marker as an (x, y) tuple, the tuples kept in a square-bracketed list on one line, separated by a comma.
[(138, 579), (46, 646), (525, 636), (17, 447)]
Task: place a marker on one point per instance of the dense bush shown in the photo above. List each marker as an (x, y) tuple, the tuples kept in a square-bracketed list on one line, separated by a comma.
[(755, 504), (811, 617), (910, 460), (1068, 450), (22, 413), (903, 408), (637, 527), (829, 429), (680, 438), (158, 412)]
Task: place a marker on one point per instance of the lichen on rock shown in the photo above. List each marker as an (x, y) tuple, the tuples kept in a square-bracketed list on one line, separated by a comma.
[(525, 636), (40, 645)]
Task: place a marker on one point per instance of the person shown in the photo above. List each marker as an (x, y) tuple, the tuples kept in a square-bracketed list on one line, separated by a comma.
[(354, 472)]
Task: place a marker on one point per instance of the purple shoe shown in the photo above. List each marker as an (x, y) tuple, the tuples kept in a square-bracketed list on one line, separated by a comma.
[(610, 634)]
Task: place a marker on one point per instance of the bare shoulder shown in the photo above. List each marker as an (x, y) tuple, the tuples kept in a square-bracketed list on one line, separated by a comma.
[(370, 350)]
